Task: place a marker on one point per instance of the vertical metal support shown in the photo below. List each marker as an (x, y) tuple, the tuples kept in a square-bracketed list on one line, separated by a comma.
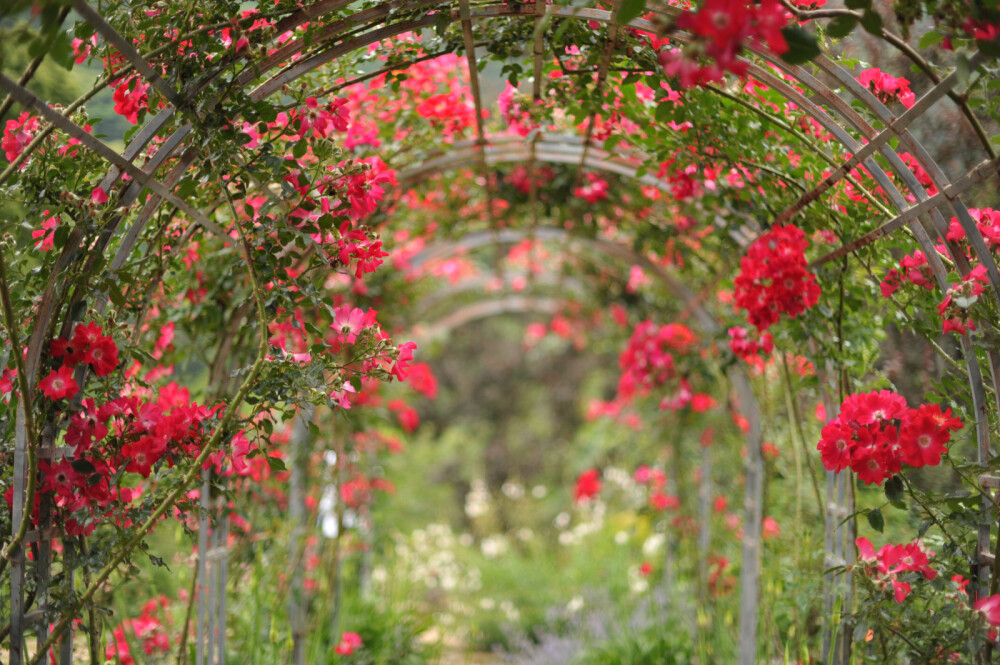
[(297, 515), (223, 564), (752, 522), (705, 517), (66, 642), (17, 563), (213, 560), (203, 527), (838, 550), (43, 564)]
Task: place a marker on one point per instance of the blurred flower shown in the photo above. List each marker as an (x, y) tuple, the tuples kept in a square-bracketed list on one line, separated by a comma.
[(349, 642), (588, 485)]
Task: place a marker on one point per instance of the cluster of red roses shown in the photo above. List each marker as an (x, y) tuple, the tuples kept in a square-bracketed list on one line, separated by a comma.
[(914, 268), (774, 278), (885, 565), (721, 28), (887, 87), (647, 361), (960, 297), (124, 432), (89, 345), (876, 433)]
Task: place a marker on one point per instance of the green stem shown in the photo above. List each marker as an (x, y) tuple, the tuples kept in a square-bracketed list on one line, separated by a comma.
[(793, 410)]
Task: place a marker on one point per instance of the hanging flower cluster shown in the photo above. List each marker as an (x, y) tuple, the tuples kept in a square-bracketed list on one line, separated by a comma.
[(131, 96), (876, 433), (915, 268), (954, 309), (519, 112), (886, 87), (774, 278), (594, 190), (17, 134), (648, 361), (89, 345), (884, 566), (752, 351), (721, 29)]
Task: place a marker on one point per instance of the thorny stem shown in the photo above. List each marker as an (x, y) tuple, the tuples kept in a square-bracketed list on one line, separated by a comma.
[(930, 513), (182, 647), (188, 478), (807, 141), (954, 364)]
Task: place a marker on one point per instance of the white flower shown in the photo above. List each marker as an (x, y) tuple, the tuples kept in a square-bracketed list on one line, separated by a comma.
[(513, 490), (575, 604), (493, 546), (539, 491), (653, 544)]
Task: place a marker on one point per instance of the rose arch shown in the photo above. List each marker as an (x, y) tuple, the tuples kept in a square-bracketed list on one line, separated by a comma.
[(290, 161)]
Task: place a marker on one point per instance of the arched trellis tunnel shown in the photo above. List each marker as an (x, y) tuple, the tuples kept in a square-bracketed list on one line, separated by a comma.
[(189, 167)]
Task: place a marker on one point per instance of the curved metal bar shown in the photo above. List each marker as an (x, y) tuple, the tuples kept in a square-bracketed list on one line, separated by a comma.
[(485, 309), (484, 284)]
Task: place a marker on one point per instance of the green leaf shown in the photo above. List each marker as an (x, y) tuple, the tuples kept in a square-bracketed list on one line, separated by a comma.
[(858, 4), (988, 47), (83, 466), (61, 50), (441, 23), (876, 520), (629, 10), (872, 22), (894, 489), (930, 39), (802, 45), (841, 26), (276, 463)]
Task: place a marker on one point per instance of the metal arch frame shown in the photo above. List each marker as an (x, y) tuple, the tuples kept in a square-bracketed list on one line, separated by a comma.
[(895, 126), (481, 309)]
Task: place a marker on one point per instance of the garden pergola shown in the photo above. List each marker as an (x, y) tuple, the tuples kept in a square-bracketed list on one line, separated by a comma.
[(175, 146)]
